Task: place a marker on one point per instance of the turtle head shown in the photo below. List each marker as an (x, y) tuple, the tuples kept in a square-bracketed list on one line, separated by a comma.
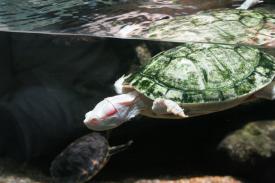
[(112, 112), (103, 117)]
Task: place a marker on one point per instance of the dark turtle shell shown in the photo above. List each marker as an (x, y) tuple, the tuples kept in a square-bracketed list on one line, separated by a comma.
[(84, 158), (204, 73), (81, 160)]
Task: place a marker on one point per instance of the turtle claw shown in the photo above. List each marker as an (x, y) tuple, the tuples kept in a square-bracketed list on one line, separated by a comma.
[(165, 106), (177, 111)]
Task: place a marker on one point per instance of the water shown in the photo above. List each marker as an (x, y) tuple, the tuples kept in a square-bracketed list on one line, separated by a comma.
[(133, 19), (50, 81), (92, 16)]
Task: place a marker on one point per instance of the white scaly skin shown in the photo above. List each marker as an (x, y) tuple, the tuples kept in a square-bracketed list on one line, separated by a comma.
[(113, 111), (249, 3)]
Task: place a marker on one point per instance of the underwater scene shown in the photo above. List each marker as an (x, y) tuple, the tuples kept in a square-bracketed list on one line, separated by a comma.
[(147, 91)]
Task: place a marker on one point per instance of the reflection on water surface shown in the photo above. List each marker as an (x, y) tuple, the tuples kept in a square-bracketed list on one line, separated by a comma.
[(134, 19), (79, 15)]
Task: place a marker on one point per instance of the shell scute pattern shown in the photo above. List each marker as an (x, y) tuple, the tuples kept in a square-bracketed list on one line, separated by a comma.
[(256, 27), (210, 73), (158, 91), (193, 96), (180, 72), (155, 65), (252, 21), (145, 85), (213, 95), (175, 95)]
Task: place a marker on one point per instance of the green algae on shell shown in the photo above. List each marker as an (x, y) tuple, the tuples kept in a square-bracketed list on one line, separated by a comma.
[(228, 26), (204, 73)]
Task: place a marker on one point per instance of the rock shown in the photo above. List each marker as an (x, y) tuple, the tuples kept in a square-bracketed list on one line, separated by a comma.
[(256, 139), (204, 179), (251, 150), (13, 172)]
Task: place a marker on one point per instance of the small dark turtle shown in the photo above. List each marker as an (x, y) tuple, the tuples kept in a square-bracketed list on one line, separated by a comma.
[(83, 159)]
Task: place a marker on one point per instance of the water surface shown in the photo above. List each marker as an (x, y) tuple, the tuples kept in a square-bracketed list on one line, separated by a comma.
[(93, 16)]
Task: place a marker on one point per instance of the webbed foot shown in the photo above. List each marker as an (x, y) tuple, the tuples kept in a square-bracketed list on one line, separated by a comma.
[(164, 106)]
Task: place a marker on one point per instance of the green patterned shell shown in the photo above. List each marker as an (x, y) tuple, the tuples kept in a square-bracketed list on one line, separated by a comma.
[(204, 73), (228, 26)]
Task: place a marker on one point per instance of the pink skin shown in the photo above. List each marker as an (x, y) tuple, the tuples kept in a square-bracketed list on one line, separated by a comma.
[(113, 111)]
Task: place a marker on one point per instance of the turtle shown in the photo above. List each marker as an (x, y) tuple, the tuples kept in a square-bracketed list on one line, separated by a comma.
[(188, 80), (224, 26), (83, 158)]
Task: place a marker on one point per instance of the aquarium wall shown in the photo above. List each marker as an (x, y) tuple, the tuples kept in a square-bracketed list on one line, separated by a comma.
[(60, 59)]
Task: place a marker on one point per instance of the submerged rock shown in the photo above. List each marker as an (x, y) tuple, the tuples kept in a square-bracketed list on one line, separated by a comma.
[(204, 179), (256, 139)]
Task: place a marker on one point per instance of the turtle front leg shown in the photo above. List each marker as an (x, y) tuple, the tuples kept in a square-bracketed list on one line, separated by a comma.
[(249, 3), (165, 106)]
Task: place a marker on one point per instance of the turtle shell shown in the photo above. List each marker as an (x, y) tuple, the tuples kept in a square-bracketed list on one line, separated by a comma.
[(254, 27), (204, 73), (81, 160)]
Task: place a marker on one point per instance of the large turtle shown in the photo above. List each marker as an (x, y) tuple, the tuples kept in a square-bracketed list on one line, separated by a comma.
[(189, 80), (225, 26)]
